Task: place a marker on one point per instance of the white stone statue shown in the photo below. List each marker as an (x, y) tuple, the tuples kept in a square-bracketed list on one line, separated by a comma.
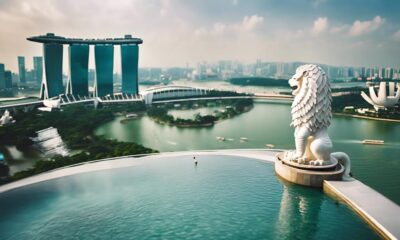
[(311, 117)]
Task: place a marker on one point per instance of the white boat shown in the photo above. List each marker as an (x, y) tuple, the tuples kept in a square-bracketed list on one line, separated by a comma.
[(270, 145), (230, 139), (244, 139), (131, 115), (373, 142), (220, 138)]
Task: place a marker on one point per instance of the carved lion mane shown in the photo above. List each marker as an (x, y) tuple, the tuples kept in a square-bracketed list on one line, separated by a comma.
[(312, 103)]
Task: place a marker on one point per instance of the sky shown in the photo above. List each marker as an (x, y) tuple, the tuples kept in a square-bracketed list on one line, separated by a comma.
[(180, 32)]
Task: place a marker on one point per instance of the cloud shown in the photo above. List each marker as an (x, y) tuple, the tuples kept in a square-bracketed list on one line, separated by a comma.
[(317, 3), (320, 25), (219, 28), (193, 31), (396, 35), (363, 27), (164, 9), (250, 23), (339, 29)]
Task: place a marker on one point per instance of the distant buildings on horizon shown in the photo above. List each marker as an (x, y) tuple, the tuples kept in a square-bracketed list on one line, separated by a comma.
[(229, 69), (223, 69), (25, 77)]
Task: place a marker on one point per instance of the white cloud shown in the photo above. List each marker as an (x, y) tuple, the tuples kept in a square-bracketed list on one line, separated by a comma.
[(362, 27), (165, 4), (200, 32), (219, 28), (316, 3), (339, 29), (250, 23), (291, 35), (320, 25), (167, 22), (396, 35)]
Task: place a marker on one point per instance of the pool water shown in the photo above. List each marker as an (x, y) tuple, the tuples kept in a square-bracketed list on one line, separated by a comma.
[(169, 198)]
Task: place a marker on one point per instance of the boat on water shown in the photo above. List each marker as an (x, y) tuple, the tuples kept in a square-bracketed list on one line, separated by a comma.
[(244, 139), (220, 138), (131, 115), (373, 142), (270, 145), (230, 139)]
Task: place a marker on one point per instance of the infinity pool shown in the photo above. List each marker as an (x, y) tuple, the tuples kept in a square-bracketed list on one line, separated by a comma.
[(224, 197)]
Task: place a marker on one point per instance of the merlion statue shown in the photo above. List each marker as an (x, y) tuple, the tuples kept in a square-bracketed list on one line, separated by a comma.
[(311, 117)]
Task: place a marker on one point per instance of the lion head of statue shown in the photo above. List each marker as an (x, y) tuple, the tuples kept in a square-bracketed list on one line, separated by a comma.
[(312, 98)]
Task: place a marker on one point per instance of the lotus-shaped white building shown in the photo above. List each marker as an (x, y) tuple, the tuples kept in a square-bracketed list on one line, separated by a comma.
[(383, 100)]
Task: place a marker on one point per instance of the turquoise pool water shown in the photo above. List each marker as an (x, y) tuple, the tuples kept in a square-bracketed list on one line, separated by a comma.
[(169, 198)]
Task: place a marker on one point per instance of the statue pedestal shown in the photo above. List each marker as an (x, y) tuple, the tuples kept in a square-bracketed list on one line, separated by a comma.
[(307, 175)]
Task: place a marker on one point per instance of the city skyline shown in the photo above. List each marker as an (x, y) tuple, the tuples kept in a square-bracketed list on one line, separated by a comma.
[(360, 33), (222, 69)]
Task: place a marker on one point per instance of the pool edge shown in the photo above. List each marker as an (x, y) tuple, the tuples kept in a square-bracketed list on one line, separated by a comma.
[(370, 209)]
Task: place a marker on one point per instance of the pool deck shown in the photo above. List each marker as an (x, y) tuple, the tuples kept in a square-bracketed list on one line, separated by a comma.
[(135, 160), (378, 211)]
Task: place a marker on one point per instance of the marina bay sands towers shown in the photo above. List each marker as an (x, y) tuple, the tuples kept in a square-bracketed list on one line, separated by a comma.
[(78, 53)]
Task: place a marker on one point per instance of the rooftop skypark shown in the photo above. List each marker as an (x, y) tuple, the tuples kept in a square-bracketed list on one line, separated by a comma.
[(52, 38)]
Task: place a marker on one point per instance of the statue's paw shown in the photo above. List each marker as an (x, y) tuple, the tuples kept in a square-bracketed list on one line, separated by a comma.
[(290, 156), (317, 162), (302, 160)]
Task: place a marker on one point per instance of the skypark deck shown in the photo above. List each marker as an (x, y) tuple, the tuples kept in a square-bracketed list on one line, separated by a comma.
[(52, 38)]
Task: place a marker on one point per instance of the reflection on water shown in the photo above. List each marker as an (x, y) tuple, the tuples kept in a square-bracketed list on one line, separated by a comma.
[(19, 160), (299, 212), (171, 142), (14, 152)]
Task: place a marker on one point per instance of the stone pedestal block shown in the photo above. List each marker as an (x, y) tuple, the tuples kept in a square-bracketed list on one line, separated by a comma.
[(306, 175)]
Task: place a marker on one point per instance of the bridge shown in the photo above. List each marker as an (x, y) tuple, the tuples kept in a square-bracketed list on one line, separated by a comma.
[(170, 94), (19, 105), (164, 94), (68, 99)]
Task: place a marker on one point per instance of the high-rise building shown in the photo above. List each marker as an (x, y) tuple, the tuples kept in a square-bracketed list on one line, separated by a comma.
[(280, 69), (38, 69), (2, 76), (78, 61), (8, 79), (388, 73), (53, 57), (129, 65), (381, 72), (21, 69), (363, 72), (78, 83), (104, 61)]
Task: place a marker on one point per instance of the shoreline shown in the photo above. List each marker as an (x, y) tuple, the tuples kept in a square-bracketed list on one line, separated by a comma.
[(183, 125), (369, 118), (196, 125)]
